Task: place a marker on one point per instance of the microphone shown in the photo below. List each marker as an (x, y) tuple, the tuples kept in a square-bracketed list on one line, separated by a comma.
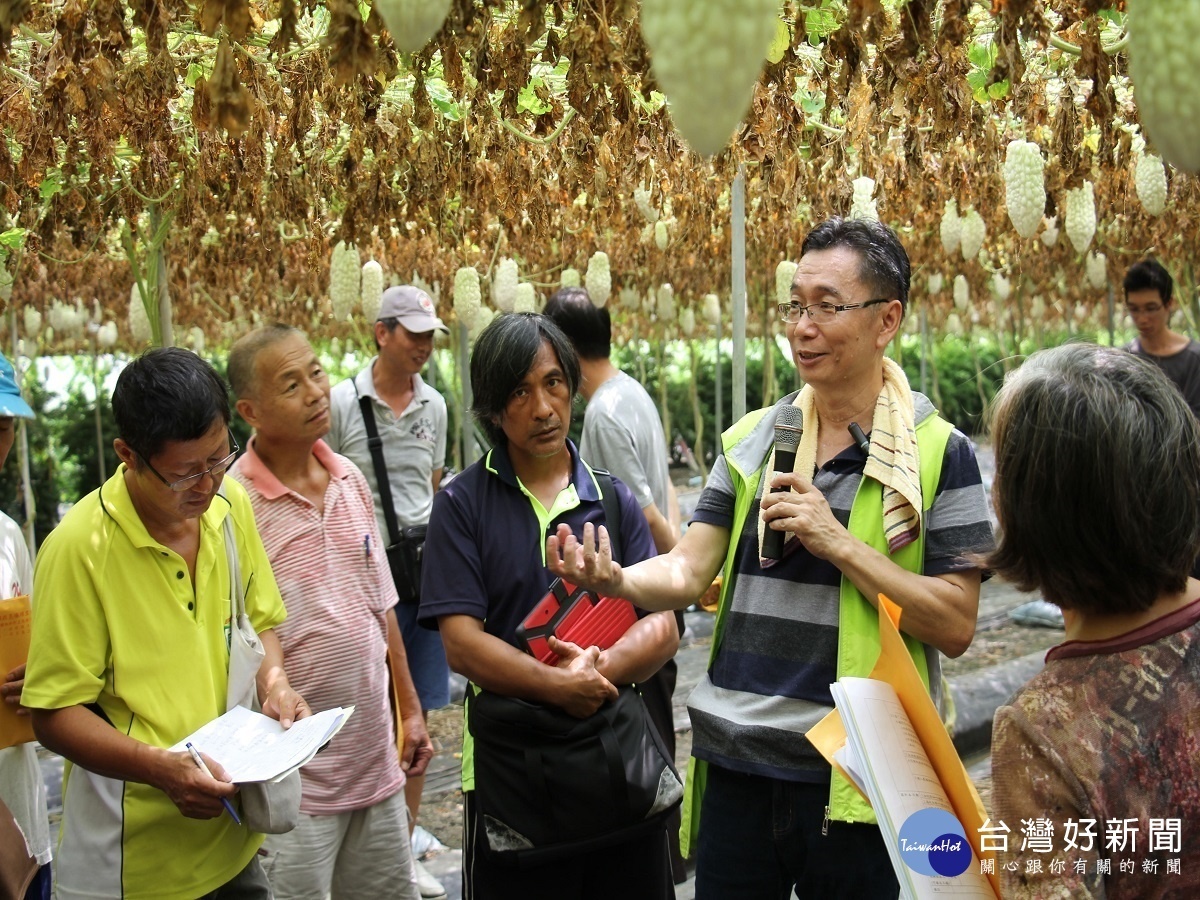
[(789, 423), (864, 444)]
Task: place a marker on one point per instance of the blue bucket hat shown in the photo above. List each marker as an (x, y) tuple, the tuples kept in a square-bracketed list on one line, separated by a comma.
[(11, 401)]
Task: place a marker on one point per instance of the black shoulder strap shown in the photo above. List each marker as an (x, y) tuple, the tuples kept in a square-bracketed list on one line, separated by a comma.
[(612, 510), (375, 445)]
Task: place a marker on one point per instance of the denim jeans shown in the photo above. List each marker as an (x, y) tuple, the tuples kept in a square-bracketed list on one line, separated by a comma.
[(760, 838)]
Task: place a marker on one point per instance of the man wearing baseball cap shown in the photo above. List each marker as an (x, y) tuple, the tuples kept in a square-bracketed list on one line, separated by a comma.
[(390, 397)]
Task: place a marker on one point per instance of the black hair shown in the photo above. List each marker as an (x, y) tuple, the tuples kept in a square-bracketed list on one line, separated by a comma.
[(1097, 483), (883, 262), (167, 394), (244, 354), (587, 326), (1149, 275), (390, 324), (503, 354)]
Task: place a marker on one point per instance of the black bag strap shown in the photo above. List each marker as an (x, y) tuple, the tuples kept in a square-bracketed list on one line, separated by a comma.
[(375, 445), (612, 510)]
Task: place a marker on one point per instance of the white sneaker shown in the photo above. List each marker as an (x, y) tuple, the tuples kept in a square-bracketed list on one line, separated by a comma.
[(428, 886), (424, 843)]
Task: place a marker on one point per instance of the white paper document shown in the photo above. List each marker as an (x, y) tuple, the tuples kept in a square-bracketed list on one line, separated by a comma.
[(885, 758), (253, 747)]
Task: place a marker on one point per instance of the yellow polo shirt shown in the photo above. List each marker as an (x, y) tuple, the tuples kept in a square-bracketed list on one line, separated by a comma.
[(118, 626)]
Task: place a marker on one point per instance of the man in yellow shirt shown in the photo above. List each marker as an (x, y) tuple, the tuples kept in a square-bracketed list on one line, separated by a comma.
[(129, 652)]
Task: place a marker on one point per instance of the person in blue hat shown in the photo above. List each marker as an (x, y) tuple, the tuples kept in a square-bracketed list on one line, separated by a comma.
[(21, 787)]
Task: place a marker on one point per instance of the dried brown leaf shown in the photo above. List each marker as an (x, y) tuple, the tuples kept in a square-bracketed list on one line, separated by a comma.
[(232, 106), (351, 48)]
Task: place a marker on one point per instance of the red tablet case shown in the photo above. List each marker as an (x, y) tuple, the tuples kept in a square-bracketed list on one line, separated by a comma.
[(577, 615)]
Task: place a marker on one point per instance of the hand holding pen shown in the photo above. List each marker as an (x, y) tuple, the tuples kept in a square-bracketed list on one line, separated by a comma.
[(200, 764)]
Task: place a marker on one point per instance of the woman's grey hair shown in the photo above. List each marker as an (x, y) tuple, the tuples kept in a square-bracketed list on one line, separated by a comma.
[(1097, 480), (503, 354)]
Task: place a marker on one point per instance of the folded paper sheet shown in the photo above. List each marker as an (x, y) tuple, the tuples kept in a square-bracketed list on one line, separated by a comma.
[(253, 747), (895, 668)]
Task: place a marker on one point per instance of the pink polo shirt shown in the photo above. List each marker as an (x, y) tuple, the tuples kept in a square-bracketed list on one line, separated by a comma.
[(334, 578)]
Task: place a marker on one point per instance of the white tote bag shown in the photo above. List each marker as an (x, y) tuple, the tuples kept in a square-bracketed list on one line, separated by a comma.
[(268, 807), (246, 651)]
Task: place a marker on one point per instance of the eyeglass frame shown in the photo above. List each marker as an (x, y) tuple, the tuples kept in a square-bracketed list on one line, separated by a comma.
[(834, 308), (182, 484)]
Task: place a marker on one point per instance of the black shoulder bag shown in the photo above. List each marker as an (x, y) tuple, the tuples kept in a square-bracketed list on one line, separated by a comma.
[(550, 786), (405, 545)]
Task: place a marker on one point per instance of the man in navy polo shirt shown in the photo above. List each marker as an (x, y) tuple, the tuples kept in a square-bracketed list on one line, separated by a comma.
[(485, 569)]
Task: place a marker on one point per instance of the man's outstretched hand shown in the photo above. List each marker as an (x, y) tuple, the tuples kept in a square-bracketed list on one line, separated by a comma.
[(587, 563)]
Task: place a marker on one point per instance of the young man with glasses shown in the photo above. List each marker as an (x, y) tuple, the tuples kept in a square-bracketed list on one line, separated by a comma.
[(1148, 286), (766, 814), (130, 654)]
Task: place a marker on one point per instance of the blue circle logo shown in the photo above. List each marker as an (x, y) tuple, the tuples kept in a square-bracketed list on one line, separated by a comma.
[(933, 843)]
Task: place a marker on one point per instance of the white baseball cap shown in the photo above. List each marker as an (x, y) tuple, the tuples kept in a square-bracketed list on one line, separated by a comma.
[(412, 307)]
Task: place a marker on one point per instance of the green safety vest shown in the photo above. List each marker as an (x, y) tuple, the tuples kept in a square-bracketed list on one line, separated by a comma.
[(858, 620)]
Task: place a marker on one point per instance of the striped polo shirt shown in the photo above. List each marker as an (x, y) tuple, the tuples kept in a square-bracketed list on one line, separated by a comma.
[(336, 585), (769, 682)]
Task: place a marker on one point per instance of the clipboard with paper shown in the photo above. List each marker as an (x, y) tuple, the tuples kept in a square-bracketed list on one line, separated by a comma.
[(917, 724)]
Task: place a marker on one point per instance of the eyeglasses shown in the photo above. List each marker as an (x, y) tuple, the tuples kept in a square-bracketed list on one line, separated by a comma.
[(1144, 310), (214, 471), (820, 313)]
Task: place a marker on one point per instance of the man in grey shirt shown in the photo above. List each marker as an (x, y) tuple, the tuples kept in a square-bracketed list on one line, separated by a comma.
[(621, 428), (410, 417), (623, 434)]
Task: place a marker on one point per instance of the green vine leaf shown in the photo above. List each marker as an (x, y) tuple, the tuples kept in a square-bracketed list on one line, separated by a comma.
[(528, 99)]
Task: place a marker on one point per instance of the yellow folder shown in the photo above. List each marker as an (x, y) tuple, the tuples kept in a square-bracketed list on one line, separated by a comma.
[(15, 621), (896, 667)]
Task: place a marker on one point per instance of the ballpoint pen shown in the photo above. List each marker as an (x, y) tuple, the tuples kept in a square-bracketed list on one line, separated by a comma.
[(199, 760)]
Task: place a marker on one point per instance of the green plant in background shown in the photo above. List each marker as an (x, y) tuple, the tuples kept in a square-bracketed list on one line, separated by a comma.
[(74, 424), (963, 373)]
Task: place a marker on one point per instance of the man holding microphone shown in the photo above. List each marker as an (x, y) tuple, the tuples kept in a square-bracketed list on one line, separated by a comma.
[(904, 518)]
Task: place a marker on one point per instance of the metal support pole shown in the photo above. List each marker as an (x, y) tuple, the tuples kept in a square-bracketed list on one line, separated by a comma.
[(924, 348), (738, 223), (469, 451), (102, 469), (1112, 336), (23, 440), (160, 280), (717, 418)]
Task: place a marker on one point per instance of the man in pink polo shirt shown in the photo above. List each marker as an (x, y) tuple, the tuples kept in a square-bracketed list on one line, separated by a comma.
[(316, 516)]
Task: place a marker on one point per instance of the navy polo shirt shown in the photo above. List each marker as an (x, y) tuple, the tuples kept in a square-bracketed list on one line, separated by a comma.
[(486, 544)]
